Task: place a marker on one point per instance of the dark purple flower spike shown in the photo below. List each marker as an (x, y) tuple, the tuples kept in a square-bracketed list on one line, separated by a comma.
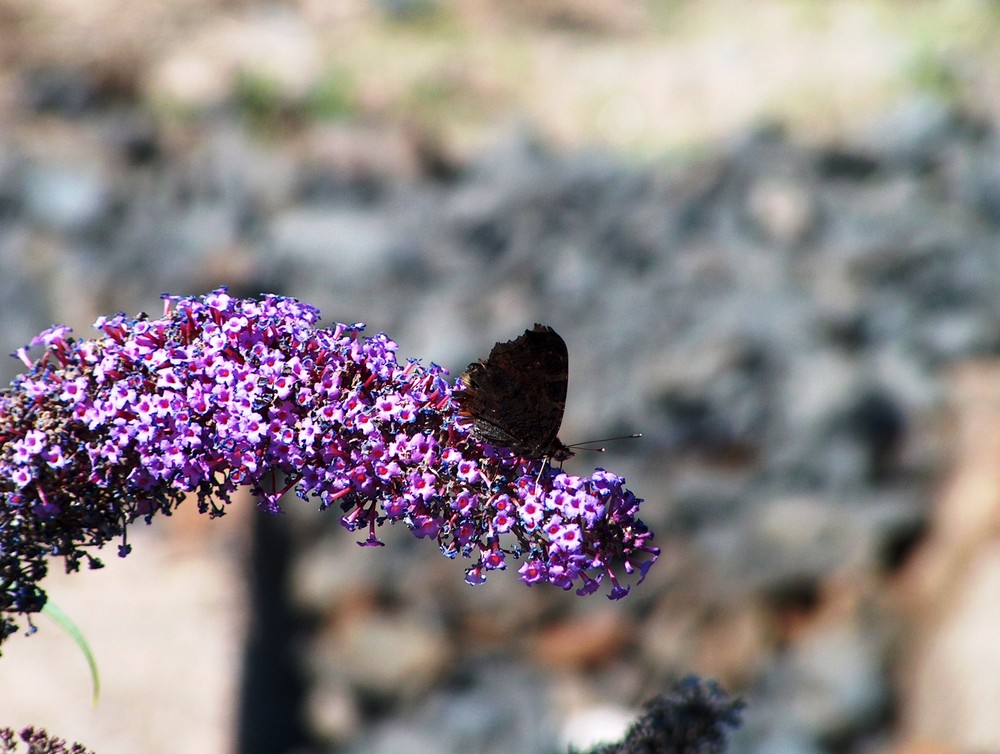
[(220, 393)]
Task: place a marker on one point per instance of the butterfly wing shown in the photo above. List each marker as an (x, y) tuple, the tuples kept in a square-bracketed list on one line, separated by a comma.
[(516, 398)]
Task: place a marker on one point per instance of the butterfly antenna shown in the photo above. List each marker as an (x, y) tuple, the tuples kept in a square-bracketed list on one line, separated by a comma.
[(581, 445)]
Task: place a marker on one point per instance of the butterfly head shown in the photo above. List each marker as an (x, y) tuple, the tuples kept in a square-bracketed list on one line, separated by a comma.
[(558, 452)]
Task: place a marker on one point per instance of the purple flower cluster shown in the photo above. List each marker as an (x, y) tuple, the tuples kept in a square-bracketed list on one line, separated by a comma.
[(222, 392), (38, 741)]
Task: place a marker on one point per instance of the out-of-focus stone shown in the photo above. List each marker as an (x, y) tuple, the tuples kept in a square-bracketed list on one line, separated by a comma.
[(730, 643), (502, 709), (839, 687), (783, 211), (382, 654), (343, 244), (584, 639), (65, 198)]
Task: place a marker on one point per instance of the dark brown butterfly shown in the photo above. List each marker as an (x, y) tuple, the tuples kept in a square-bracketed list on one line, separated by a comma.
[(516, 397)]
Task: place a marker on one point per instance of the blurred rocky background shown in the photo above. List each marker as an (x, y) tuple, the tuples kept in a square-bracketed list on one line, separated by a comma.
[(769, 233)]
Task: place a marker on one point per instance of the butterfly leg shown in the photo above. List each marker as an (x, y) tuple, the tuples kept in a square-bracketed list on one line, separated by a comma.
[(541, 469)]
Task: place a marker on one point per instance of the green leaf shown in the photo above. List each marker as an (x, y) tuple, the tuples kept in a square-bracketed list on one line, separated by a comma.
[(66, 624)]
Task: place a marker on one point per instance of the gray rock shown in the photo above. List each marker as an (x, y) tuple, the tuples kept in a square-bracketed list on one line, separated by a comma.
[(503, 712), (346, 246), (65, 198)]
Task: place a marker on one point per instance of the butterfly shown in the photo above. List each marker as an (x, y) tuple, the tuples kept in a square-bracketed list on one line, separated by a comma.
[(516, 398)]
